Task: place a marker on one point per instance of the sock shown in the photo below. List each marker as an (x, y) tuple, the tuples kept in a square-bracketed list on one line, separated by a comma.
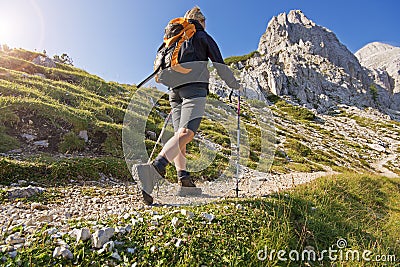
[(160, 163), (183, 174)]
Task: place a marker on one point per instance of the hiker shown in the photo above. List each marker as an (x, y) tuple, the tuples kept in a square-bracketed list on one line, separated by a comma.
[(187, 101)]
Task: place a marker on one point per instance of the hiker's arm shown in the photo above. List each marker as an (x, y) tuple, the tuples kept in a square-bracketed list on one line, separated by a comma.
[(223, 70)]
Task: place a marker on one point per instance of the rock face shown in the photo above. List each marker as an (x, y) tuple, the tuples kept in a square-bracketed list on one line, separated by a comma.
[(307, 62), (44, 61), (383, 62)]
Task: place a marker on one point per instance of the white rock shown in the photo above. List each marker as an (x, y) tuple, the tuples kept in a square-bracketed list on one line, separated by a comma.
[(61, 243), (157, 217), (56, 235), (128, 228), (239, 206), (51, 231), (109, 246), (82, 234), (13, 254), (209, 217), (120, 230), (175, 222), (178, 243), (100, 237), (187, 213), (63, 252), (116, 256), (131, 250), (153, 249), (29, 137), (41, 143), (84, 135), (38, 206), (6, 248), (313, 63), (377, 147), (44, 61), (15, 239)]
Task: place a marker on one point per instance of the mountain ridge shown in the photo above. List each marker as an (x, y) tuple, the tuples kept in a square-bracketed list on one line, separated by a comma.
[(305, 61)]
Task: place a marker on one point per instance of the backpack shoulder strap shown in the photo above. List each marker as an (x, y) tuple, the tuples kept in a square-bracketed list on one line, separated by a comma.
[(187, 30)]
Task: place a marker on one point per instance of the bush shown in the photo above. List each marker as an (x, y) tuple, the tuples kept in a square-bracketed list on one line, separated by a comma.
[(273, 98), (64, 59), (374, 92), (71, 143)]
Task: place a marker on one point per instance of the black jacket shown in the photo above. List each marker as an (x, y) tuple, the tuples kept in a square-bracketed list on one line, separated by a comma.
[(206, 48)]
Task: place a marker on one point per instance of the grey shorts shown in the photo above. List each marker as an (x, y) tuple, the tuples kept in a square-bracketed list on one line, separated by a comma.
[(188, 104)]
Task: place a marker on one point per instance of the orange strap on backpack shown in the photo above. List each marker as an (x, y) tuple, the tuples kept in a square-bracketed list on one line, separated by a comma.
[(188, 31)]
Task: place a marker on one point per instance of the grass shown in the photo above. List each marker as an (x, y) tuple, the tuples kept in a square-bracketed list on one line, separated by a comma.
[(295, 112), (50, 171), (7, 142), (68, 97), (57, 107), (360, 208), (50, 195), (236, 59)]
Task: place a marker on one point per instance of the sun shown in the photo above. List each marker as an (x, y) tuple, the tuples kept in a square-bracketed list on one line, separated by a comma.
[(21, 24), (6, 32)]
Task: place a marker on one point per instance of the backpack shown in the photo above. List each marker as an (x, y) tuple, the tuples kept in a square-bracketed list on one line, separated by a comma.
[(177, 48)]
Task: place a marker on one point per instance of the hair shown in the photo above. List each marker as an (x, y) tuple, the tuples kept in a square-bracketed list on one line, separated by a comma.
[(195, 14)]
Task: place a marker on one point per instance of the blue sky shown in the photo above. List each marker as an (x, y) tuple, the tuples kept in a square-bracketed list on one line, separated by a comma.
[(117, 39)]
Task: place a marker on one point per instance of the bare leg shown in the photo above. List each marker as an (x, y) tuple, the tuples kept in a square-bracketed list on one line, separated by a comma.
[(176, 147), (180, 160)]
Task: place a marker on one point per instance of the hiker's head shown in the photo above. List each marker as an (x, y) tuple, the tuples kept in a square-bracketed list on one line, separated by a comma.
[(195, 13)]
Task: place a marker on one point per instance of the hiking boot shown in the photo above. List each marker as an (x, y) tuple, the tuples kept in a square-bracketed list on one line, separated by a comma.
[(184, 179), (187, 182), (188, 188), (146, 177)]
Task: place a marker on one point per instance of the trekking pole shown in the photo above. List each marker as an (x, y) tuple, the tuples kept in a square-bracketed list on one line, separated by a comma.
[(238, 146), (237, 141), (166, 119), (149, 77), (159, 137)]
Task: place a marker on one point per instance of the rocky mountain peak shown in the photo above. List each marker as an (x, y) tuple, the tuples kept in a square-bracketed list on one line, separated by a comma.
[(306, 62), (383, 62), (373, 49), (295, 29)]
